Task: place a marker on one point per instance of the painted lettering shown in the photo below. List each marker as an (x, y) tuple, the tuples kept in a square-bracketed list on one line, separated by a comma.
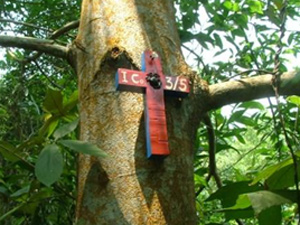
[(133, 78), (169, 84), (183, 84), (176, 83), (124, 73)]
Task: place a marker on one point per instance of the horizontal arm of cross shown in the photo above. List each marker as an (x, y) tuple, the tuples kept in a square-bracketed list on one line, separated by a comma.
[(135, 81)]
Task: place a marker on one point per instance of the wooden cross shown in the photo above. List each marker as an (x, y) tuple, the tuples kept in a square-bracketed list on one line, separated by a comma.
[(152, 79)]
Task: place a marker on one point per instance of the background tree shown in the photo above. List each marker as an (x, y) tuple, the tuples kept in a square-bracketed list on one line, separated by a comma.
[(126, 188)]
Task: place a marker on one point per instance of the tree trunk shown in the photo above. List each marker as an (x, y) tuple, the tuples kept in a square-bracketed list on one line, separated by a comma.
[(126, 187)]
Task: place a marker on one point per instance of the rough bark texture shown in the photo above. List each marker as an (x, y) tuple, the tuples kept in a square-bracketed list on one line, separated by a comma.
[(127, 188)]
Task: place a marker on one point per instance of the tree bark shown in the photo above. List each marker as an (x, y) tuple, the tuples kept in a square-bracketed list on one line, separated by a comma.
[(126, 187)]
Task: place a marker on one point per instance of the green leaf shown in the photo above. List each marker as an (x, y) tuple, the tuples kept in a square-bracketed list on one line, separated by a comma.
[(185, 36), (278, 176), (218, 41), (294, 99), (83, 147), (268, 172), (272, 16), (49, 165), (49, 125), (239, 137), (271, 215), (199, 180), (283, 177), (220, 52), (241, 209), (52, 126), (228, 5), (241, 20), (291, 38), (235, 7), (256, 7), (65, 129), (202, 38), (243, 202), (259, 200), (251, 105), (236, 115), (71, 102), (21, 191), (238, 32), (288, 194), (53, 102), (245, 120), (229, 194), (262, 200), (8, 151), (223, 146), (239, 214)]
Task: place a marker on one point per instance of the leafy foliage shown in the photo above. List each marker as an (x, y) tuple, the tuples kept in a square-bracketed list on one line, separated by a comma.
[(256, 166), (251, 147)]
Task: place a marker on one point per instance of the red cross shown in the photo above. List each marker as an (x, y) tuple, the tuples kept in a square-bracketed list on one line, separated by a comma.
[(152, 79)]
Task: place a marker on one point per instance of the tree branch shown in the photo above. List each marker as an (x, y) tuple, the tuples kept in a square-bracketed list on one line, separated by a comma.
[(57, 33), (251, 88), (41, 45), (69, 26)]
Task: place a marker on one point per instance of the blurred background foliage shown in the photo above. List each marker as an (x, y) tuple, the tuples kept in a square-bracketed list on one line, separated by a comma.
[(222, 40)]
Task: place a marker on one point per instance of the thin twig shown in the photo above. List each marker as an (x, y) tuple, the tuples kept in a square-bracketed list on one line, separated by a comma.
[(64, 29), (25, 24), (212, 150), (198, 58), (296, 120), (45, 75), (212, 157)]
